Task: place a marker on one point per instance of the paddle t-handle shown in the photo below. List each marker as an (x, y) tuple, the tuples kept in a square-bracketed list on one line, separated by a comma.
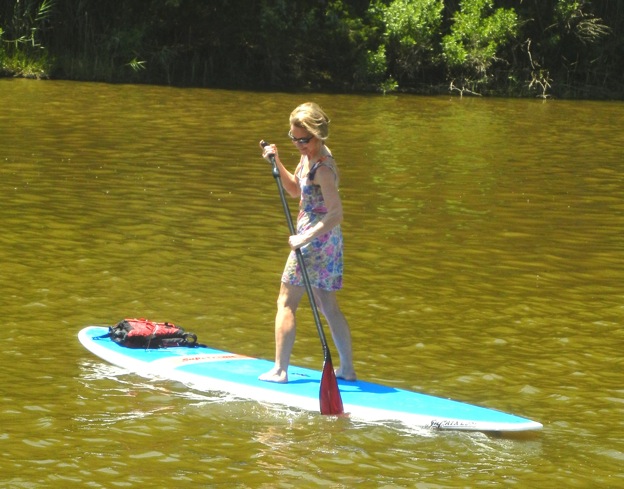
[(264, 144)]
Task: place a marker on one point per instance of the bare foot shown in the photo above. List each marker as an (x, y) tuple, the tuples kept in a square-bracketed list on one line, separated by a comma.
[(277, 375), (345, 375)]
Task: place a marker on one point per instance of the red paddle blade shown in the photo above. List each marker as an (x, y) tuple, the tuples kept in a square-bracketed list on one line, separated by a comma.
[(331, 402)]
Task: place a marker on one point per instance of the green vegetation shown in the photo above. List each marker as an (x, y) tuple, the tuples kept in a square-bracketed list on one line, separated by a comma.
[(21, 26), (564, 48), (477, 34)]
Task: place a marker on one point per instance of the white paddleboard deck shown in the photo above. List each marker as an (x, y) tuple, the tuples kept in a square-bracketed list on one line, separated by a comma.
[(210, 370)]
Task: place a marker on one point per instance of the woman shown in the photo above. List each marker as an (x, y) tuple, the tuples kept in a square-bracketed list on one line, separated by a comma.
[(319, 237)]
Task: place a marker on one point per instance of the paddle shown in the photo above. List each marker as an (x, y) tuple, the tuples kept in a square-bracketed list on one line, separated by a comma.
[(329, 395)]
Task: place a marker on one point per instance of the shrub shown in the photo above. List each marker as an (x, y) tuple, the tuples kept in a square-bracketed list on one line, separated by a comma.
[(477, 34)]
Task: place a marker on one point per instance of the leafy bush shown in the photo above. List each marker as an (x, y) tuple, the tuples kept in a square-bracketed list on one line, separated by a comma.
[(22, 53), (477, 34), (411, 35)]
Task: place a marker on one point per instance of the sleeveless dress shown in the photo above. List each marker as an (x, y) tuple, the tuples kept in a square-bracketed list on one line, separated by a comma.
[(323, 255)]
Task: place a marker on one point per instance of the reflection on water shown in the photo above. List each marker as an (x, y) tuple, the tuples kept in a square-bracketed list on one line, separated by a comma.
[(483, 263)]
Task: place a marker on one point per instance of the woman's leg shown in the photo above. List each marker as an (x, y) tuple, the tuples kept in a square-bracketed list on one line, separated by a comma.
[(341, 334), (285, 330)]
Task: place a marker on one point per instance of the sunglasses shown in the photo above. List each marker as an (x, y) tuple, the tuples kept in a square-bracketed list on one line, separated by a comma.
[(299, 140)]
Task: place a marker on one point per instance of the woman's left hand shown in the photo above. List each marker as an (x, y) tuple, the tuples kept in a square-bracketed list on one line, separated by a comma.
[(296, 241)]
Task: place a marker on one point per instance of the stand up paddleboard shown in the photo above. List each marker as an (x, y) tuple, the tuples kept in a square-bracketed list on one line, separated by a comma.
[(206, 369)]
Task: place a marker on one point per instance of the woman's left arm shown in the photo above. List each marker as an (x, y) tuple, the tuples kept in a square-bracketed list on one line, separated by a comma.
[(326, 178)]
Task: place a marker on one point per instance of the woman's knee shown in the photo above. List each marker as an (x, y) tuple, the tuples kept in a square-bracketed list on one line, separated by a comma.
[(327, 302)]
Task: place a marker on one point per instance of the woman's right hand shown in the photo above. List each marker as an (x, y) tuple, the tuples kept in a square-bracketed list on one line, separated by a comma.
[(269, 149)]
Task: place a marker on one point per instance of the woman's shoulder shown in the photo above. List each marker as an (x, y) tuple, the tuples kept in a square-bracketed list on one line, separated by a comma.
[(325, 166), (328, 159)]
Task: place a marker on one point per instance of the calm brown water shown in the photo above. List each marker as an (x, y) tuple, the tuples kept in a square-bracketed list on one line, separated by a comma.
[(484, 262)]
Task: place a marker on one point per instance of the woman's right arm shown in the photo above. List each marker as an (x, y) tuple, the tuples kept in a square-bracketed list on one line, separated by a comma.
[(289, 181)]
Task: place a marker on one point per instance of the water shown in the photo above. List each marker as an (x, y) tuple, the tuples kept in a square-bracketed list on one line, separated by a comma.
[(484, 262)]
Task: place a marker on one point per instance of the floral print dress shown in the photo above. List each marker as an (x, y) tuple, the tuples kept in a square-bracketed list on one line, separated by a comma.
[(323, 255)]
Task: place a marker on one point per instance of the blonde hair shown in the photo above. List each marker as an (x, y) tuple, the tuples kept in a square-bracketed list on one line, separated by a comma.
[(310, 116)]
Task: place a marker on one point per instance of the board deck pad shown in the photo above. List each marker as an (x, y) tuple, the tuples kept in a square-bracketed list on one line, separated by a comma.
[(211, 370)]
